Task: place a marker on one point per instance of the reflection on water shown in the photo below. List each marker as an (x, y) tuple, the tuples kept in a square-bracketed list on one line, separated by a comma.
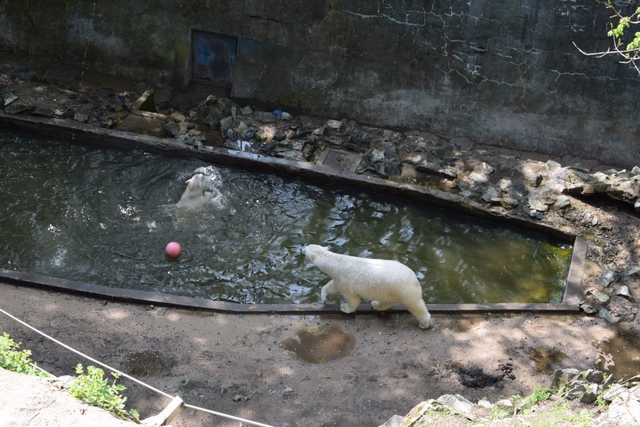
[(105, 217)]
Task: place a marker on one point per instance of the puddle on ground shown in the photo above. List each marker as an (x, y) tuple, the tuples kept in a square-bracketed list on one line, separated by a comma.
[(148, 364), (620, 355), (546, 358), (319, 344)]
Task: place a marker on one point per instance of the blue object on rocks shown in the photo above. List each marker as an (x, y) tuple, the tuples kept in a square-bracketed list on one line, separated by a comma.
[(277, 112)]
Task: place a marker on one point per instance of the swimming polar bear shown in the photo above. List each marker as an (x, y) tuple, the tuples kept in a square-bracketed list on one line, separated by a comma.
[(194, 195), (383, 282)]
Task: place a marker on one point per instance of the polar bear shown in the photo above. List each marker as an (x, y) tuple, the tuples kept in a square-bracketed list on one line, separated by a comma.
[(194, 195), (383, 282)]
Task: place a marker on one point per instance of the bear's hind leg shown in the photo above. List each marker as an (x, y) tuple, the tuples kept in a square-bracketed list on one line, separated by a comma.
[(381, 305), (419, 310)]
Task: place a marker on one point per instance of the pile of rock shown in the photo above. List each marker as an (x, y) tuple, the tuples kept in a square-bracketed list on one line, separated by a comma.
[(418, 156), (619, 401)]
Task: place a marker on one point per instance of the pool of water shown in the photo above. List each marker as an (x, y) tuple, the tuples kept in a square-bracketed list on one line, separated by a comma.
[(104, 216)]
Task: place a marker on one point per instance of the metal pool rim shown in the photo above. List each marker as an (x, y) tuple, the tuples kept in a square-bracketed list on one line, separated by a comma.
[(85, 134)]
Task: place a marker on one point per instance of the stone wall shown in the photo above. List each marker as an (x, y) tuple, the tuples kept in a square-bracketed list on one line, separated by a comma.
[(500, 72)]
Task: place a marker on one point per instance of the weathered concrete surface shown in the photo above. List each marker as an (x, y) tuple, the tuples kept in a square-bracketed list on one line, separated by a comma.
[(502, 73), (33, 401)]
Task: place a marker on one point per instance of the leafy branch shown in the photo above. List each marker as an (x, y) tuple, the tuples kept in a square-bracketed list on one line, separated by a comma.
[(618, 26)]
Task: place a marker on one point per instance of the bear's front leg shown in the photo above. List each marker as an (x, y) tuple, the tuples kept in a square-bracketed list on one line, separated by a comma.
[(328, 289)]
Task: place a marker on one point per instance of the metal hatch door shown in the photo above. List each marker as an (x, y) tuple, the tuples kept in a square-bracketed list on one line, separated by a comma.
[(213, 58)]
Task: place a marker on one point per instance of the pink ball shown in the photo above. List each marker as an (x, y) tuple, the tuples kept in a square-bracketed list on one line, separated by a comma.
[(173, 250)]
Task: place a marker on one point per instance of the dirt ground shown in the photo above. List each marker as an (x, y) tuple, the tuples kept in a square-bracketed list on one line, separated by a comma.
[(239, 365)]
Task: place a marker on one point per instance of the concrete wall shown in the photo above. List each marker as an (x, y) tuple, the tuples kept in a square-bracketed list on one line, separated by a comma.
[(500, 72)]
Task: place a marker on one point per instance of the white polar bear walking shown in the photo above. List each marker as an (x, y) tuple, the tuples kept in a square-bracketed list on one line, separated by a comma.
[(194, 195), (383, 282)]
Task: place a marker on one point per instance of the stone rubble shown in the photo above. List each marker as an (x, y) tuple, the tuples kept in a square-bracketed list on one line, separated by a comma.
[(587, 387)]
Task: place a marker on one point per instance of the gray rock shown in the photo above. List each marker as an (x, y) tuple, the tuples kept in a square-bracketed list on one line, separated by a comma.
[(624, 411), (504, 403), (334, 124), (483, 168), (489, 194), (505, 184), (81, 117), (172, 128), (44, 112), (509, 203), (633, 271), (226, 123), (562, 377), (537, 204), (478, 177), (623, 291), (532, 173), (16, 108), (594, 376), (8, 98), (603, 297), (607, 277), (588, 308), (458, 404), (562, 202), (336, 141), (264, 117), (395, 421), (377, 154), (590, 395), (614, 392), (606, 315)]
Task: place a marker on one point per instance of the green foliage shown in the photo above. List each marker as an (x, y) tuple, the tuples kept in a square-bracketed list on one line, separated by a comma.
[(94, 389), (540, 394), (91, 387), (625, 45), (16, 360)]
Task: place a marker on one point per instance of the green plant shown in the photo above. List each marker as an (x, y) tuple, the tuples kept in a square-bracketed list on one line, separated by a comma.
[(625, 45), (539, 394), (16, 360), (94, 389)]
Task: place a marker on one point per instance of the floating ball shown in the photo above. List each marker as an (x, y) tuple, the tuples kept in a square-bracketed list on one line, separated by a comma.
[(173, 250)]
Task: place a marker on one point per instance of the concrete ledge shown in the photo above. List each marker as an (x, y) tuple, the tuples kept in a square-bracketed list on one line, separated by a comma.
[(85, 134)]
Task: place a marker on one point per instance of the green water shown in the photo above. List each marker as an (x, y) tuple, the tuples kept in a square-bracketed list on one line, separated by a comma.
[(105, 216)]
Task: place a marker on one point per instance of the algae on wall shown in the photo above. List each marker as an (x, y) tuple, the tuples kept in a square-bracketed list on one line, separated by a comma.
[(503, 73)]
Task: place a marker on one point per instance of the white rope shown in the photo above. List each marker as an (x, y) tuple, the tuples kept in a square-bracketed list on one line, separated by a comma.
[(129, 376)]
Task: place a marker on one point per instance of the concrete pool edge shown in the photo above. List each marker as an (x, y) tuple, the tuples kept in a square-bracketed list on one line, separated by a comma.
[(85, 134)]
